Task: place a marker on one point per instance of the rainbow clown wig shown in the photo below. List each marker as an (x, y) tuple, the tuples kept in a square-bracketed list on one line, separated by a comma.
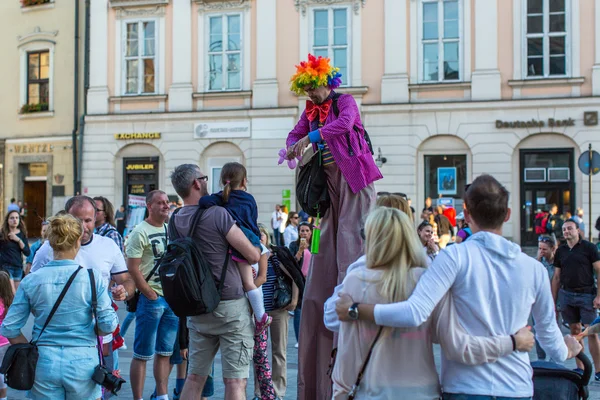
[(315, 72)]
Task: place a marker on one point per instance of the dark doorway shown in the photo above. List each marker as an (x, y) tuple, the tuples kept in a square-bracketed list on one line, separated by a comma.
[(140, 176), (34, 195), (547, 177)]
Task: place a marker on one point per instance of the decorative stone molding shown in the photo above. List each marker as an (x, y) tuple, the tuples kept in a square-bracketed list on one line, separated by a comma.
[(37, 35), (137, 3), (158, 11), (217, 5), (302, 5)]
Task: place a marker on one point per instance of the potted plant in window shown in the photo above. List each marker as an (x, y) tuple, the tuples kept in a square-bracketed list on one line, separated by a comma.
[(32, 108), (29, 3)]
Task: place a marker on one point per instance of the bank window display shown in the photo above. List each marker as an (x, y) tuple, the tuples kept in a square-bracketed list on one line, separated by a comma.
[(330, 37), (440, 40), (445, 177), (140, 57), (225, 52), (546, 38), (38, 78)]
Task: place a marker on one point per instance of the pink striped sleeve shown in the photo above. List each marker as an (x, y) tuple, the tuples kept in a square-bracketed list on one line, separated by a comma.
[(345, 121), (300, 130)]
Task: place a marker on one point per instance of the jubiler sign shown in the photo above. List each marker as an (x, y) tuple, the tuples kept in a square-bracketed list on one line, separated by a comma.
[(535, 123)]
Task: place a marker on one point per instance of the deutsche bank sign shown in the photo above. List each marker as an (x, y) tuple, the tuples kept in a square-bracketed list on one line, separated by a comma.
[(233, 129)]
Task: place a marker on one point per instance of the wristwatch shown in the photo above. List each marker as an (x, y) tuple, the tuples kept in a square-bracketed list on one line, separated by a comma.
[(353, 312)]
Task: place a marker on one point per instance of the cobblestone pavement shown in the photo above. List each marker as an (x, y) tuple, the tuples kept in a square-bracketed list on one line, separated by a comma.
[(125, 358)]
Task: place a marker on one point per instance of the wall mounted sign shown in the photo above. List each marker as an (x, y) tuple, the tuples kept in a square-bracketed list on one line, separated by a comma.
[(138, 136), (590, 118), (33, 148), (233, 129), (446, 180), (38, 169), (139, 167), (535, 123)]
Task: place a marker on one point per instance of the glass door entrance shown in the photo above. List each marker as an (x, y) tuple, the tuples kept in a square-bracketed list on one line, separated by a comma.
[(546, 179), (541, 199)]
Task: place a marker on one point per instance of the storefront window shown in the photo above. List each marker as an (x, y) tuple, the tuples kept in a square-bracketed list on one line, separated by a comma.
[(446, 177)]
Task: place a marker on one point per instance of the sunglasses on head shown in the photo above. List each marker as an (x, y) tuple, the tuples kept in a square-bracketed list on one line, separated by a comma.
[(403, 195), (546, 239)]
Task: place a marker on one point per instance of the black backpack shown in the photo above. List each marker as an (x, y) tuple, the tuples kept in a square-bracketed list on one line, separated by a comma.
[(186, 277), (287, 259), (311, 184)]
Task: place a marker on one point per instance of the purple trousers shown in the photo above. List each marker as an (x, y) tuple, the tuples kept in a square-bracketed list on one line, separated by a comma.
[(340, 246)]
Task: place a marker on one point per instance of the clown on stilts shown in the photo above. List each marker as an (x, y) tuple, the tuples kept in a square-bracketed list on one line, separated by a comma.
[(350, 171)]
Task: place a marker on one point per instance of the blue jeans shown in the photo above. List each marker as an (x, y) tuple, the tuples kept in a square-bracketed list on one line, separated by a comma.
[(155, 329), (126, 323), (297, 315), (66, 373), (453, 396), (16, 273)]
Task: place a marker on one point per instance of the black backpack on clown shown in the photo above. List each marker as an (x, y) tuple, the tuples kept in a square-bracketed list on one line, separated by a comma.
[(186, 277)]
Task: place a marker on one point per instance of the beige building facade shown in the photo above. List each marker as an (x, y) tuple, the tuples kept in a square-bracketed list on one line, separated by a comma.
[(448, 89), (37, 106)]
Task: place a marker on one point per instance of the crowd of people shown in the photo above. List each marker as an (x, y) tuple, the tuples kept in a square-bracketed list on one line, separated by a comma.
[(368, 304)]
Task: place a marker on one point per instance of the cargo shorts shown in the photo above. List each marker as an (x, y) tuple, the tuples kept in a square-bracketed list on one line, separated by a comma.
[(229, 327)]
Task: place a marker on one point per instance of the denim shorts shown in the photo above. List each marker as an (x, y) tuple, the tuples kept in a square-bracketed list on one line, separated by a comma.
[(65, 373), (155, 329), (16, 273), (453, 396), (577, 307)]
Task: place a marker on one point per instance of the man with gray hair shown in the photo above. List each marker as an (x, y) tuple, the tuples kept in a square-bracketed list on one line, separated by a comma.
[(230, 326), (97, 252)]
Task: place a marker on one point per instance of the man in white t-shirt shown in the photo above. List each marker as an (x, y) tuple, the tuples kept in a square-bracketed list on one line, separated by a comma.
[(97, 252), (276, 219)]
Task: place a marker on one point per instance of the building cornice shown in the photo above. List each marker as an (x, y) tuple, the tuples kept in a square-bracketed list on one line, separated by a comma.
[(220, 5), (302, 5), (37, 36)]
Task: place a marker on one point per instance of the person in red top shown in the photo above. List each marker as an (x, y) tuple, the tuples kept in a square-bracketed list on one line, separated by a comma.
[(450, 213)]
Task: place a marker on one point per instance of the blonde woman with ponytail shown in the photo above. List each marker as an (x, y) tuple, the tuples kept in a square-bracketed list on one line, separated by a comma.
[(402, 364), (67, 347)]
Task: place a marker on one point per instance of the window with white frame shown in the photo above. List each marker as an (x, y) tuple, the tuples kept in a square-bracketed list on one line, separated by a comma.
[(331, 37), (440, 40), (225, 52), (140, 57), (546, 38)]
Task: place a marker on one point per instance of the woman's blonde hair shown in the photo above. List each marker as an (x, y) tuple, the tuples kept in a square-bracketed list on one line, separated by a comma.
[(392, 246), (395, 201), (63, 232), (263, 229)]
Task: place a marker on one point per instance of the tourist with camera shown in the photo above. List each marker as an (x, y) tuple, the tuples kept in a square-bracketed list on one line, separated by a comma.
[(69, 363)]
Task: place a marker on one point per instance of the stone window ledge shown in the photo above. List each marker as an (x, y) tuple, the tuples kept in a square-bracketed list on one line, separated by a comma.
[(137, 3), (244, 94), (136, 98), (40, 7), (353, 90), (37, 115), (426, 87), (541, 82)]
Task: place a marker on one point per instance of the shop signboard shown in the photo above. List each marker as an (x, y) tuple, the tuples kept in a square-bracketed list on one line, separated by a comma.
[(220, 130)]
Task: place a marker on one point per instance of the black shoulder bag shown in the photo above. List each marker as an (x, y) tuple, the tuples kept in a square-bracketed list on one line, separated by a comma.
[(21, 359), (102, 376), (131, 304)]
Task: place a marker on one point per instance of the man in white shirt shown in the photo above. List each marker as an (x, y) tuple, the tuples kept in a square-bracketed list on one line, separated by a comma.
[(276, 219), (495, 288), (97, 252)]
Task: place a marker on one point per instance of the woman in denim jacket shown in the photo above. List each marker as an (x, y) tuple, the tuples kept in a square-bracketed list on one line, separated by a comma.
[(67, 348)]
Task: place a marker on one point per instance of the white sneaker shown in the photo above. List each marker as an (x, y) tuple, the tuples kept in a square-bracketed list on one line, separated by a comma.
[(296, 345)]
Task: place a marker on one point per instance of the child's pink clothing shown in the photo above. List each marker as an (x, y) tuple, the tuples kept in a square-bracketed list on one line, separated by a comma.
[(3, 341)]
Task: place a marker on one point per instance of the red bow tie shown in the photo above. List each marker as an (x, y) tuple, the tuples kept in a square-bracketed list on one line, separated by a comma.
[(320, 111)]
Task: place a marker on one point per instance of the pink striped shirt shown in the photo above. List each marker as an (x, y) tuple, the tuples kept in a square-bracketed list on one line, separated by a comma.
[(359, 170)]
